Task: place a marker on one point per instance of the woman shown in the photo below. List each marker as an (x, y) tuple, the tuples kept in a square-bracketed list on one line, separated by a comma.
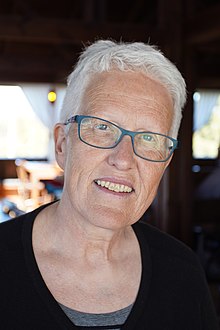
[(85, 261)]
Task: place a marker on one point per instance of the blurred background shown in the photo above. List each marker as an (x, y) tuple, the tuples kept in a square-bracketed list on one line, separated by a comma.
[(39, 43)]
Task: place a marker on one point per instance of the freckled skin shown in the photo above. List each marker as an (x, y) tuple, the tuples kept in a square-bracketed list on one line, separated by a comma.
[(134, 102)]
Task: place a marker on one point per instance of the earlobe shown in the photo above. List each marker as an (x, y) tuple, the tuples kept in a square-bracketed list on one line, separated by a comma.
[(60, 144)]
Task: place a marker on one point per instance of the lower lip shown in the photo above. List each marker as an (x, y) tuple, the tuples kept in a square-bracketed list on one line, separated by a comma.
[(112, 192)]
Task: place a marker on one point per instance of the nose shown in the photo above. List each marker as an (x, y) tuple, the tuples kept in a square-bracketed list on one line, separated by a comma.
[(122, 156)]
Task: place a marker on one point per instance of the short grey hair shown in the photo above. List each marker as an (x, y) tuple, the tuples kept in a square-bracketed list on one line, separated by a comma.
[(107, 55)]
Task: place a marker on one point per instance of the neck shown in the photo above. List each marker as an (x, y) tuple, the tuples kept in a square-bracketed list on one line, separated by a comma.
[(80, 239)]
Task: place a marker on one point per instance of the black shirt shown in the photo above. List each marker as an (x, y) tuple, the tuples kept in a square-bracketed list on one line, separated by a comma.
[(173, 292)]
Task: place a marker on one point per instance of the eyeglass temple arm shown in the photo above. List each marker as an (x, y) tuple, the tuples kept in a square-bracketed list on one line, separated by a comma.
[(70, 120)]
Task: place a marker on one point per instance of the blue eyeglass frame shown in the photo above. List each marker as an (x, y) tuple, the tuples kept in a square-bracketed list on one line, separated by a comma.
[(132, 134)]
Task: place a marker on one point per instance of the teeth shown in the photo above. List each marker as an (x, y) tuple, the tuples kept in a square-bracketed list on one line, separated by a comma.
[(114, 186)]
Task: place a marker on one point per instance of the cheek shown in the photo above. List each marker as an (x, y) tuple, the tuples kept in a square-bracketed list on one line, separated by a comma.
[(73, 166), (149, 182), (151, 179), (81, 161)]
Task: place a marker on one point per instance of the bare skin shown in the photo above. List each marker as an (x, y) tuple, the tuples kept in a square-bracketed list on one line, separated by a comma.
[(85, 247), (90, 274)]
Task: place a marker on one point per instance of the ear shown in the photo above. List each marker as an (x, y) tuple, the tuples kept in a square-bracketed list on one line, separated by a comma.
[(60, 140)]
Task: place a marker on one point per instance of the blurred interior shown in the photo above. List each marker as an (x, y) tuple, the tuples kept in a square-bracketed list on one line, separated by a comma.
[(39, 43)]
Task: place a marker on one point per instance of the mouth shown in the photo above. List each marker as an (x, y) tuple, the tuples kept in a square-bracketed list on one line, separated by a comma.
[(116, 187)]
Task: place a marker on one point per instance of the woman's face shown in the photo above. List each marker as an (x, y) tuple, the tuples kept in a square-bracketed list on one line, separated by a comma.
[(136, 103)]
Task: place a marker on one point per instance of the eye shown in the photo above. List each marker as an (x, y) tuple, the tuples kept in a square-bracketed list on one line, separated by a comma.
[(102, 127), (147, 137)]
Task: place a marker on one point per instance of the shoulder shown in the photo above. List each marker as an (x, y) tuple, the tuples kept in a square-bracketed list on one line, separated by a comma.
[(14, 232), (175, 276), (165, 247), (11, 233), (173, 264)]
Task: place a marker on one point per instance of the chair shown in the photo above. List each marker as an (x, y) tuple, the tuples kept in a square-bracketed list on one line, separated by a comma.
[(32, 194)]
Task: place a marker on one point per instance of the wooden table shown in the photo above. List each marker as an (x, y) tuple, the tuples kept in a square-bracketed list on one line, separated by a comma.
[(38, 171)]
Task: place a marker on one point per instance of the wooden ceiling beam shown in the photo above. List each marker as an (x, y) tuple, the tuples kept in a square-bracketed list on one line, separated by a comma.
[(43, 71), (204, 27), (94, 11), (58, 31), (135, 10)]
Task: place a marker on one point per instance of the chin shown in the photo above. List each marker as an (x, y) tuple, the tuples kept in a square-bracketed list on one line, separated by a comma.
[(111, 219)]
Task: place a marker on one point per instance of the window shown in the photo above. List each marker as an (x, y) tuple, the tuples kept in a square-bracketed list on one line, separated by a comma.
[(22, 132), (206, 122)]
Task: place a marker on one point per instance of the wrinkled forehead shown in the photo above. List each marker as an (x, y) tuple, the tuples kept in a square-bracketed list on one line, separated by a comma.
[(130, 99), (128, 88), (124, 82)]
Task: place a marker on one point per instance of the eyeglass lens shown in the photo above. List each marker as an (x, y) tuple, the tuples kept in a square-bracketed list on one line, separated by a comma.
[(103, 134)]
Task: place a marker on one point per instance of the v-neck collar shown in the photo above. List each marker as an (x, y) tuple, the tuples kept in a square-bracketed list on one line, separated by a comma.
[(53, 306)]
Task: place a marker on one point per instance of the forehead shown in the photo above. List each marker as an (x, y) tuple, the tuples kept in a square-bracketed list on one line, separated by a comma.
[(130, 93), (125, 83)]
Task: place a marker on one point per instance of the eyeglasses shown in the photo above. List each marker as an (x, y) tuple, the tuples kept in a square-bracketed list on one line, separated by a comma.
[(103, 134)]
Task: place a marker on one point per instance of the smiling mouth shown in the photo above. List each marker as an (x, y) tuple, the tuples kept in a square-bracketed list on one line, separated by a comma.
[(116, 187)]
